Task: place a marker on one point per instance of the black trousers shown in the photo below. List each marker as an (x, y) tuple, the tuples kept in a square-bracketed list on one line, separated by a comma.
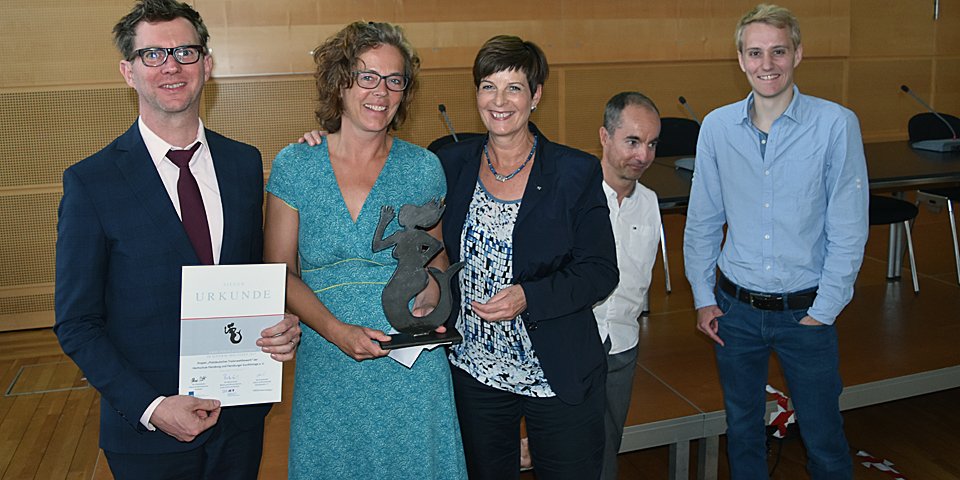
[(566, 441), (230, 453)]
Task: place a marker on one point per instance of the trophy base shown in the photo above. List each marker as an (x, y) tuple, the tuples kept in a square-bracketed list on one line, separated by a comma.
[(403, 340)]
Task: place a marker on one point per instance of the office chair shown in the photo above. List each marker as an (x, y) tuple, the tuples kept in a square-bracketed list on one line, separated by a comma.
[(445, 140), (935, 199), (926, 126), (678, 136), (891, 211)]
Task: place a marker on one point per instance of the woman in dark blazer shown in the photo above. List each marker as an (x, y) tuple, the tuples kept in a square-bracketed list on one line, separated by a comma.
[(529, 220)]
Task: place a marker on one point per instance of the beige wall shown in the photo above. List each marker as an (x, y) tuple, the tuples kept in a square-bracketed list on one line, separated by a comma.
[(62, 97)]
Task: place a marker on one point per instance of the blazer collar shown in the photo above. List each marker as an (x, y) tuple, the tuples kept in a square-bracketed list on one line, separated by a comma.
[(229, 180), (134, 162), (542, 175), (542, 179)]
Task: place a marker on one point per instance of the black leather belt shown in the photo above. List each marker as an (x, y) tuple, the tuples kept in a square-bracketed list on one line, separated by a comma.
[(768, 301)]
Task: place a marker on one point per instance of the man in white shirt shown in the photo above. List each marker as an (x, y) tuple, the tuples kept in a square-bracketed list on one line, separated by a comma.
[(629, 135)]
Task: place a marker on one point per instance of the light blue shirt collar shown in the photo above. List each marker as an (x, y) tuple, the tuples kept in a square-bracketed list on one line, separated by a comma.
[(794, 111)]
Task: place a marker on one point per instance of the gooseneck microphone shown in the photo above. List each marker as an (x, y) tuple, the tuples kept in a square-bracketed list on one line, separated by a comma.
[(944, 145), (693, 116), (686, 163), (446, 119)]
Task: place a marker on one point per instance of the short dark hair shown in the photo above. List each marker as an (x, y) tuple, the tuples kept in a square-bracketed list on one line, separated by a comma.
[(151, 11), (507, 52), (337, 58), (616, 104)]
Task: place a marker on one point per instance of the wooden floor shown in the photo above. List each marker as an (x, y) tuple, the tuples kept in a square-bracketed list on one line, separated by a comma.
[(49, 417), (921, 435)]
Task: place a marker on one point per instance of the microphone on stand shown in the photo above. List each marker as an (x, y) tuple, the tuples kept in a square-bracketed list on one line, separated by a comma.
[(693, 116), (686, 163), (945, 145), (446, 119)]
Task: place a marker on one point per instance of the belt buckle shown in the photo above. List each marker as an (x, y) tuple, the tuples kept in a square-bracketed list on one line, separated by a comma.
[(765, 302)]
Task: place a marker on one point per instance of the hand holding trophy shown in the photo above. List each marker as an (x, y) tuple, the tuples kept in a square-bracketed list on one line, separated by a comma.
[(413, 248)]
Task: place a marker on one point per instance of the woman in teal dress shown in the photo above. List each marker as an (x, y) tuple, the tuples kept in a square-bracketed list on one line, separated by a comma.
[(355, 413)]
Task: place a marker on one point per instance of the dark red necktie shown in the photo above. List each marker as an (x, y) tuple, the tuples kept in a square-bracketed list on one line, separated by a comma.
[(192, 213)]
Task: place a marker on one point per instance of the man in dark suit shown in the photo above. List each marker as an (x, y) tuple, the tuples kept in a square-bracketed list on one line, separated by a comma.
[(121, 245)]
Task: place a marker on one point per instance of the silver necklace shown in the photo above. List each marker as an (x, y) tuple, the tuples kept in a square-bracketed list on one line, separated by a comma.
[(504, 178)]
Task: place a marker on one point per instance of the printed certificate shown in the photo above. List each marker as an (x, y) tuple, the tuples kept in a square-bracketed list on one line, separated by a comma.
[(223, 308)]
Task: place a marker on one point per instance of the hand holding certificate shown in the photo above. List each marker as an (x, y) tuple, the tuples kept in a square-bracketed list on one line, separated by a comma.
[(223, 310)]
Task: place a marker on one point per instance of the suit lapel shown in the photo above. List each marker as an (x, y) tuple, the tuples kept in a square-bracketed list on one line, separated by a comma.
[(541, 179), (457, 207), (228, 181), (137, 168)]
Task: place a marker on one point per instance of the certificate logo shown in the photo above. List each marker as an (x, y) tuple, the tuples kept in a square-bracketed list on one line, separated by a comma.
[(234, 332)]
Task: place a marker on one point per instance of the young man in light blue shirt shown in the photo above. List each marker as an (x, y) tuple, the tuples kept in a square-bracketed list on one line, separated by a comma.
[(786, 173)]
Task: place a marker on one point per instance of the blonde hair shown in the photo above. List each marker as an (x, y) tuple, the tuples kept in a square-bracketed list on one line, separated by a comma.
[(773, 15)]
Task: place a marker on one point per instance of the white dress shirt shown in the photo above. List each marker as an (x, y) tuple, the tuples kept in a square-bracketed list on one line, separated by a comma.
[(636, 229), (201, 166)]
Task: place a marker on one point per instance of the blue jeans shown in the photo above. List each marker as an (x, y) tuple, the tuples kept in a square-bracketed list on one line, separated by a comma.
[(809, 358)]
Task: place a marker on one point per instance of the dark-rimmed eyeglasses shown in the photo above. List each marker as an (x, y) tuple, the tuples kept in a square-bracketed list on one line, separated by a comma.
[(370, 80), (184, 55)]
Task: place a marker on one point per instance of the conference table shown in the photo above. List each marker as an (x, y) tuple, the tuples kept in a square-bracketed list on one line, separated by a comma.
[(891, 166)]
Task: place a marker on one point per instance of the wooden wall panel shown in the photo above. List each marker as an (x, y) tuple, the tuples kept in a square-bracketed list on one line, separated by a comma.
[(43, 132), (251, 37), (588, 89), (822, 78), (27, 239), (51, 42), (824, 25), (948, 29), (267, 114), (25, 308), (874, 94), (547, 117), (890, 28), (946, 97), (455, 90)]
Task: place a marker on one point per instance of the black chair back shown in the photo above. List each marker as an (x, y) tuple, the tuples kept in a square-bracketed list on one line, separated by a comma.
[(445, 140), (926, 126), (678, 136)]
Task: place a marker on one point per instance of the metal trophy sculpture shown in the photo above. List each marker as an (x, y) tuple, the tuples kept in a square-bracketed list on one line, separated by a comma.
[(413, 249)]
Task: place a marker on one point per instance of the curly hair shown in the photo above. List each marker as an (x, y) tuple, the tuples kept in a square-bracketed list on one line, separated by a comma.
[(151, 11), (337, 58)]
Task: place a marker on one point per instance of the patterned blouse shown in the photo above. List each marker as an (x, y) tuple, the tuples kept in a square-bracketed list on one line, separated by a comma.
[(497, 354)]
